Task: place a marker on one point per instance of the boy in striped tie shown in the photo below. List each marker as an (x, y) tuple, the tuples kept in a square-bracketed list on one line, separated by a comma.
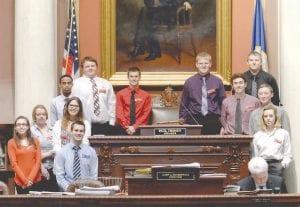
[(75, 161)]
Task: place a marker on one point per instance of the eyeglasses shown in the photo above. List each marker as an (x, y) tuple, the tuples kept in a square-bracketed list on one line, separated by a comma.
[(74, 106), (21, 124)]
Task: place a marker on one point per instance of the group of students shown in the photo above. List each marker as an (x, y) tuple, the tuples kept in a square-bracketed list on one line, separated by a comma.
[(31, 153), (43, 156), (89, 106), (253, 108)]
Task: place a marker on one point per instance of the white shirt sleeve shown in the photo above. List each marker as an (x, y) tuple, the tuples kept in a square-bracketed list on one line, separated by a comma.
[(56, 135), (87, 133)]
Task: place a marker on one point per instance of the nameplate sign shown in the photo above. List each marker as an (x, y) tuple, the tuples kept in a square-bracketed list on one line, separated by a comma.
[(175, 173), (175, 176), (169, 131)]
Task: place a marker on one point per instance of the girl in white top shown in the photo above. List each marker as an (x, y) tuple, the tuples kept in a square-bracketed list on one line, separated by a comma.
[(273, 143), (62, 128)]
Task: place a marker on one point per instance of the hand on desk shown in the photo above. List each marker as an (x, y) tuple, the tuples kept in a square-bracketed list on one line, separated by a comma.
[(130, 130)]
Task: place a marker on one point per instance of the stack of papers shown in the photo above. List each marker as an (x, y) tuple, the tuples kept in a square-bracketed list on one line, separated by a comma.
[(109, 190), (50, 193)]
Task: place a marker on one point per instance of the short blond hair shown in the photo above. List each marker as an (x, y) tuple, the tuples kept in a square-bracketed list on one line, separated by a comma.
[(255, 53), (265, 85), (203, 55)]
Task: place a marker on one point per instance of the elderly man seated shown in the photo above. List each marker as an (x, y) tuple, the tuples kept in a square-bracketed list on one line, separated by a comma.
[(260, 179)]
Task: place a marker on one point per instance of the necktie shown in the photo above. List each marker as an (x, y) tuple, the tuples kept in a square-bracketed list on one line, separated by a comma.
[(254, 87), (132, 108), (238, 117), (66, 99), (95, 97), (76, 164), (204, 105)]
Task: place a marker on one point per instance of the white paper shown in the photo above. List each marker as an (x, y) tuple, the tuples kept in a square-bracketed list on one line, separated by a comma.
[(50, 193), (189, 165), (93, 192), (110, 188)]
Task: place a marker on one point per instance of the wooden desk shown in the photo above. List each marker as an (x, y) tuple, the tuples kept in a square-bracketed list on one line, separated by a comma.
[(146, 185), (216, 153), (276, 200)]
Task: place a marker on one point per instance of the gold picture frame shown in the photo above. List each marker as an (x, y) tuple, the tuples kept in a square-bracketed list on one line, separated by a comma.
[(108, 48)]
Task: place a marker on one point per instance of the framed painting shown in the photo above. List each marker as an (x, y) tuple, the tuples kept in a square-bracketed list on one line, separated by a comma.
[(207, 28)]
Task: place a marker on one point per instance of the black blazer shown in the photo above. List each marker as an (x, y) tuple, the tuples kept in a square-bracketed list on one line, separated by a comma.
[(247, 184)]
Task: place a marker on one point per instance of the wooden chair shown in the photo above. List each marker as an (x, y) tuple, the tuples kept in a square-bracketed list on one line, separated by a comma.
[(183, 28)]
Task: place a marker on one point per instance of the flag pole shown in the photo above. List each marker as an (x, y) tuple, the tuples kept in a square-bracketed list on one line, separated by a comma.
[(70, 32)]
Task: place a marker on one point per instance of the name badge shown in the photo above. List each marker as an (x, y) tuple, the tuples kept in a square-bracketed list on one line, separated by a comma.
[(86, 156)]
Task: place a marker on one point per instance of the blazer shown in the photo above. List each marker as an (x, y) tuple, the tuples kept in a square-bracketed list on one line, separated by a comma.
[(248, 184)]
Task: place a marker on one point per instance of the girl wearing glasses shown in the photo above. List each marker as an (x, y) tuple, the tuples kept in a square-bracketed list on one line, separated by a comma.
[(73, 111), (24, 153)]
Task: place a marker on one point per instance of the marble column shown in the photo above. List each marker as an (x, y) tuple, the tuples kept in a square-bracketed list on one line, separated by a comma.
[(289, 39), (35, 54)]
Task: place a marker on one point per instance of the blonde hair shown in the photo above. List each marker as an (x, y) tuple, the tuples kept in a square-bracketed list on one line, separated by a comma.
[(38, 107), (204, 55), (265, 85), (277, 123)]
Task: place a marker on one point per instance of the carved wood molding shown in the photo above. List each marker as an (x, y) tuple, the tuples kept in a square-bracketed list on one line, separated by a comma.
[(107, 160), (234, 159), (170, 149)]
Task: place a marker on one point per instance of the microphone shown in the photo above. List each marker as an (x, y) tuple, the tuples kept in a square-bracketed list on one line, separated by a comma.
[(190, 114), (277, 190)]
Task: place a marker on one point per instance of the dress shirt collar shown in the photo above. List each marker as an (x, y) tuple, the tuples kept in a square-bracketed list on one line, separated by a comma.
[(206, 76), (72, 144), (256, 75), (136, 89), (64, 97), (89, 78), (240, 97)]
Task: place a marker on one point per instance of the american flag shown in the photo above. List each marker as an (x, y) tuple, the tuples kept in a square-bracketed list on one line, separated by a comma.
[(71, 58)]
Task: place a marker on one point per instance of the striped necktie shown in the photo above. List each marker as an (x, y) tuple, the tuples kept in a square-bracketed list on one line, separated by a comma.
[(66, 99), (76, 164), (95, 97), (204, 104)]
